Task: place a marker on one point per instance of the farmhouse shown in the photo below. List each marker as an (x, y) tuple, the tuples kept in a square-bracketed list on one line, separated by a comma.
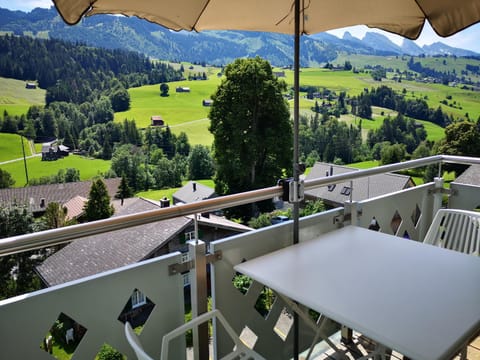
[(52, 151), (360, 189), (156, 120), (30, 85), (191, 192), (207, 102), (182, 89)]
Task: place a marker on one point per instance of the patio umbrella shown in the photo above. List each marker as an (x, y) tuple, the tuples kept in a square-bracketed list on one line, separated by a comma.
[(402, 17)]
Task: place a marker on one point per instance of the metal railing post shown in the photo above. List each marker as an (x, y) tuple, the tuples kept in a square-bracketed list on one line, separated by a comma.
[(199, 297), (438, 195)]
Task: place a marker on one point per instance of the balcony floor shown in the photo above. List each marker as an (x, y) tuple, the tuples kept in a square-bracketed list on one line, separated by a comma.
[(361, 346)]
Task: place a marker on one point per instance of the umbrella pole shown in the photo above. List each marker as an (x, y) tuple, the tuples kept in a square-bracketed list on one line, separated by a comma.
[(296, 170)]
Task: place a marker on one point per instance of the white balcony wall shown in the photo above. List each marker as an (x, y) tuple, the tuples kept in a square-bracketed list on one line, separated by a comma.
[(463, 196), (398, 211), (96, 302), (238, 308)]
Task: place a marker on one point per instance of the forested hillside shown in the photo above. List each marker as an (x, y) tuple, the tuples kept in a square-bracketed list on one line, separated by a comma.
[(76, 72), (85, 86)]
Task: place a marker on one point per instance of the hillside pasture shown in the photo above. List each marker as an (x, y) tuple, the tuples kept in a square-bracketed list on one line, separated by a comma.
[(16, 99), (11, 147), (181, 111), (37, 168)]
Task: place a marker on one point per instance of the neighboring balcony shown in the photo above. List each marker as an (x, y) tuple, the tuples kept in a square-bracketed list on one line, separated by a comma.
[(153, 291)]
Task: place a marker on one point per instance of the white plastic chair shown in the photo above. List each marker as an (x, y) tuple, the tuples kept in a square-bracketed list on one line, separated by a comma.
[(457, 230), (240, 351), (134, 342)]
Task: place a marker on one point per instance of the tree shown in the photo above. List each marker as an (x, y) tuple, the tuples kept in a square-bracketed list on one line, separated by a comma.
[(120, 100), (6, 179), (164, 88), (124, 191), (250, 122), (391, 154), (56, 216), (98, 204), (182, 146), (462, 138), (16, 271), (200, 163)]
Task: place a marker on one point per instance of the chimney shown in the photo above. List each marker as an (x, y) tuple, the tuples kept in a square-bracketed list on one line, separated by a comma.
[(194, 186), (42, 202), (331, 170), (164, 202)]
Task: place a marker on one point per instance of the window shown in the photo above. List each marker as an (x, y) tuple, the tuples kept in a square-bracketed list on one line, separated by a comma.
[(331, 187), (138, 299), (346, 190), (186, 279), (190, 235), (185, 257)]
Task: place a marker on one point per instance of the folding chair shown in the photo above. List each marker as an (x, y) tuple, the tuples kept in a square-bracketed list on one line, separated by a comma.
[(240, 350), (457, 230)]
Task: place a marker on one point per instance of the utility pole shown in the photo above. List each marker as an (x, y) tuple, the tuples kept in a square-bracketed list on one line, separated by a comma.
[(24, 159)]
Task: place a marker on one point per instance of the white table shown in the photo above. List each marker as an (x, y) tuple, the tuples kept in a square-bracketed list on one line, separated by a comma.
[(417, 299)]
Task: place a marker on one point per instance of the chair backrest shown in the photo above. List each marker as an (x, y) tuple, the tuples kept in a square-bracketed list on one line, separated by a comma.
[(134, 342), (457, 230), (240, 351)]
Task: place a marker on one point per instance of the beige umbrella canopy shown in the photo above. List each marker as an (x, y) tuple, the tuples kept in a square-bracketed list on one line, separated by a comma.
[(403, 17)]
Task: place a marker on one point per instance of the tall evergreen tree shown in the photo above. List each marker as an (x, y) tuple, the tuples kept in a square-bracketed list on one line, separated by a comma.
[(124, 191), (98, 204)]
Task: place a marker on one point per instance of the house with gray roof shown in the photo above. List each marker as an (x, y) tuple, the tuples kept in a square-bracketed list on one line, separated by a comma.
[(191, 192), (37, 198), (362, 189), (98, 253), (471, 176)]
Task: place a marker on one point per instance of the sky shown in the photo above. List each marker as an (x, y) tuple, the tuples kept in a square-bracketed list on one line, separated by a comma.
[(466, 39)]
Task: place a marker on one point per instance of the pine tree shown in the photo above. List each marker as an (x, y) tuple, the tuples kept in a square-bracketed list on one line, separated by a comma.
[(124, 191), (98, 204)]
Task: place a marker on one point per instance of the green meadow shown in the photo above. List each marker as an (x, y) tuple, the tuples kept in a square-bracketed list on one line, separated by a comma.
[(16, 99), (182, 111), (11, 147), (37, 168)]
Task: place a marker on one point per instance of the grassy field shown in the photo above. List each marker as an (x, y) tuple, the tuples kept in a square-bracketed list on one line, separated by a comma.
[(37, 168), (180, 111), (11, 147), (185, 112), (16, 99)]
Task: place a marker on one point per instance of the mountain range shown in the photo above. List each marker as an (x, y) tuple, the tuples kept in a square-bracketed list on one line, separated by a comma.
[(212, 47)]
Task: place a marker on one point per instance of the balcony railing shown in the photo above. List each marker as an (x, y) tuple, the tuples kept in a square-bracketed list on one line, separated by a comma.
[(96, 302)]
